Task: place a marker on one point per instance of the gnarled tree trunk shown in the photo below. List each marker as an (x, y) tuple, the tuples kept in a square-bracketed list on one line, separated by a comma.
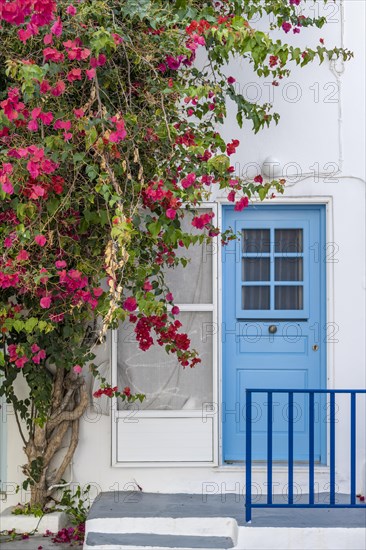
[(69, 402)]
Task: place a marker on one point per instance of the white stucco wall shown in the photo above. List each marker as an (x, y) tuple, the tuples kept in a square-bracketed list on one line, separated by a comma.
[(311, 134)]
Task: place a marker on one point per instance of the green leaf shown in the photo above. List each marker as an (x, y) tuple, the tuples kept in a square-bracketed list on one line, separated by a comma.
[(30, 324), (18, 325), (220, 163), (262, 192), (91, 137), (52, 205), (154, 228), (92, 171)]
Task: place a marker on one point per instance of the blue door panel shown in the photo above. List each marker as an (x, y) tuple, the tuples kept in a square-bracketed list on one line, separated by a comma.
[(264, 344)]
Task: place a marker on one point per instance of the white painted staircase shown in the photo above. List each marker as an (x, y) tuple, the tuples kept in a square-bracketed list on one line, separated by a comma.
[(190, 522)]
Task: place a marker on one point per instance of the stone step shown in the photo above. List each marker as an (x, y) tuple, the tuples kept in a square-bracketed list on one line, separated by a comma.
[(154, 541), (155, 521)]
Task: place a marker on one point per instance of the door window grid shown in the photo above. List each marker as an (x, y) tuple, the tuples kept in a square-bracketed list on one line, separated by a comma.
[(272, 270)]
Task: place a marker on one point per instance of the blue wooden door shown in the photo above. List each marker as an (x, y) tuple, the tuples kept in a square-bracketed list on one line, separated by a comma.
[(273, 312)]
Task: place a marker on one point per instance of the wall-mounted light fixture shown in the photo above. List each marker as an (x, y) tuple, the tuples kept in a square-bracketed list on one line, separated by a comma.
[(271, 168)]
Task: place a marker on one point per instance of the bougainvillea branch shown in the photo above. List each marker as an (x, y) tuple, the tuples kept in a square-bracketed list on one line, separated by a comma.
[(109, 133)]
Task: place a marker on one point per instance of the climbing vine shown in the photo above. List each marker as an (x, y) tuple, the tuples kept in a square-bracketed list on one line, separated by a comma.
[(109, 133)]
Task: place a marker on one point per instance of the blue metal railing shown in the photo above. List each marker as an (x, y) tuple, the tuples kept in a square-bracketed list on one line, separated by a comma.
[(249, 504)]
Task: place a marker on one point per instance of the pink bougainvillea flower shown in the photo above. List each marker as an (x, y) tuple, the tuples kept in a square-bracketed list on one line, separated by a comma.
[(120, 133), (174, 62), (188, 181), (171, 213), (36, 192), (58, 89), (117, 38), (74, 74), (45, 302), (32, 125), (48, 39), (286, 26), (48, 166), (98, 291), (8, 241), (60, 264), (22, 256), (231, 196), (98, 61), (147, 286), (21, 361), (231, 80), (46, 118), (130, 304), (101, 59), (7, 187), (90, 73), (175, 310), (56, 28), (7, 168), (241, 204), (200, 222), (79, 113), (36, 112), (258, 179), (62, 124), (231, 147), (51, 54), (169, 297), (77, 369), (71, 10), (35, 348), (40, 240), (45, 278), (37, 358), (44, 86), (24, 34), (57, 318)]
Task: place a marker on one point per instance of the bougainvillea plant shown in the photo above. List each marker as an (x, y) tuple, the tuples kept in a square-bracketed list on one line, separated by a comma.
[(109, 132)]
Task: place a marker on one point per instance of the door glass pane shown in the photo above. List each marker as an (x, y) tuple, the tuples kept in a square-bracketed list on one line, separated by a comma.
[(289, 297), (289, 269), (255, 297), (256, 241), (166, 384), (288, 240), (192, 284), (256, 269)]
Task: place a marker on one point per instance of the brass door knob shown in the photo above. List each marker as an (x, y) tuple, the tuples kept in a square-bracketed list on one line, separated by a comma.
[(315, 347), (272, 329)]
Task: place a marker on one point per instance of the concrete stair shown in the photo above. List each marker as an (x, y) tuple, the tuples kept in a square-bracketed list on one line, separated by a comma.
[(156, 521)]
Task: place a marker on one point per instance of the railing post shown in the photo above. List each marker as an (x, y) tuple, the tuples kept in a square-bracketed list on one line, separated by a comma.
[(353, 448), (290, 448), (332, 448), (269, 447), (248, 458), (311, 448)]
